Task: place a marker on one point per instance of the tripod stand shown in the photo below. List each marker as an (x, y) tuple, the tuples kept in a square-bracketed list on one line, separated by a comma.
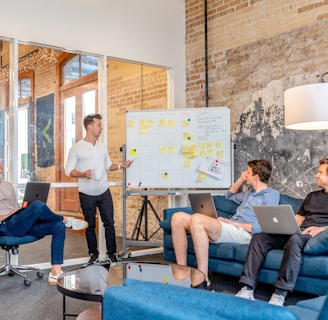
[(143, 214)]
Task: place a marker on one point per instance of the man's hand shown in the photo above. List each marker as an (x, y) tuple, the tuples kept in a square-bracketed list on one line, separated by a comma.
[(312, 231)]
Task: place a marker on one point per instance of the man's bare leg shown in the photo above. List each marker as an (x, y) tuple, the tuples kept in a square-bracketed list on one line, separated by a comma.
[(180, 228), (203, 229)]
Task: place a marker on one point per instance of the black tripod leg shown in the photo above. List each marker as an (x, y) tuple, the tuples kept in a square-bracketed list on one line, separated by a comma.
[(137, 226)]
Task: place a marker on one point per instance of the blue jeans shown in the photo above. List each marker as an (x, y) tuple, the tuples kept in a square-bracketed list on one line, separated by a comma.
[(291, 262), (89, 206), (38, 220)]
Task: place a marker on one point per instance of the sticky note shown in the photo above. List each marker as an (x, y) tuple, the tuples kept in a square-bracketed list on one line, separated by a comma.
[(218, 144), (163, 149), (165, 176), (201, 176)]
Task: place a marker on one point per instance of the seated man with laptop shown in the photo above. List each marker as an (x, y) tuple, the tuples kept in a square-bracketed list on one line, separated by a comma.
[(239, 229), (35, 219), (312, 219)]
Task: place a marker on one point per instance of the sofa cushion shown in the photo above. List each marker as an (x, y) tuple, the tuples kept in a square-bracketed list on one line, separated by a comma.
[(317, 244), (224, 207), (294, 202)]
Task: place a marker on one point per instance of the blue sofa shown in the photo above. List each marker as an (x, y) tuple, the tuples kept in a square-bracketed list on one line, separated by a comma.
[(149, 300), (228, 258)]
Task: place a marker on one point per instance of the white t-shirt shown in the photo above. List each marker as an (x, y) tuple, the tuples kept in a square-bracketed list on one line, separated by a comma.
[(85, 156)]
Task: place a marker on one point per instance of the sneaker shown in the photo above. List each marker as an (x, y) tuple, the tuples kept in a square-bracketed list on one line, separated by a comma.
[(277, 300), (245, 293), (93, 259), (113, 258), (204, 286), (52, 280), (75, 224)]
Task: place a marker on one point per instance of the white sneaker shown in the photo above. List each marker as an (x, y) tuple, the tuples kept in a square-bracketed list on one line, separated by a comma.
[(52, 280), (245, 293), (277, 300), (75, 224)]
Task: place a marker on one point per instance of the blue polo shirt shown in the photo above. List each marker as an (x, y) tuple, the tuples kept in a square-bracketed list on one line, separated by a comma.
[(246, 200)]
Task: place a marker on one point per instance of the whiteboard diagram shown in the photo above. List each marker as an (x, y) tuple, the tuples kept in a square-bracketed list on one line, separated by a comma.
[(184, 148)]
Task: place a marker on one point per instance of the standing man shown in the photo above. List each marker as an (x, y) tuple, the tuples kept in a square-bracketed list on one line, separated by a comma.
[(312, 218), (239, 228), (88, 160)]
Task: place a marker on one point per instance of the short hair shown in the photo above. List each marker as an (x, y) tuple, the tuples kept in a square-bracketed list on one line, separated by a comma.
[(88, 119), (324, 161), (261, 167)]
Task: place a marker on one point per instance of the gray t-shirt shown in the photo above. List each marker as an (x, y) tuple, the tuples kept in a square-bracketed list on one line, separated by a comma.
[(8, 200)]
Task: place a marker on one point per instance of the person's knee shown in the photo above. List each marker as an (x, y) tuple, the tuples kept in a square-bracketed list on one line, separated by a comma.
[(178, 218)]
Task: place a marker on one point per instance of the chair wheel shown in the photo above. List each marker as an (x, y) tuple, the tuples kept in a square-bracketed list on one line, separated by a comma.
[(40, 274), (27, 282), (11, 273)]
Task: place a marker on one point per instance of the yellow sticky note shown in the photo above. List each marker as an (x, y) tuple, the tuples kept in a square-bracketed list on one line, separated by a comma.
[(171, 149), (209, 144), (165, 176), (202, 145), (187, 164), (220, 154), (185, 123), (143, 123), (184, 149), (166, 279), (210, 153), (131, 123), (201, 176), (133, 152), (162, 122), (170, 123), (150, 123), (218, 145), (163, 149), (202, 153), (143, 130)]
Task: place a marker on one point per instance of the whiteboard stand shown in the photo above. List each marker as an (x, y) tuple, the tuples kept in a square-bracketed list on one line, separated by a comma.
[(126, 245), (143, 215)]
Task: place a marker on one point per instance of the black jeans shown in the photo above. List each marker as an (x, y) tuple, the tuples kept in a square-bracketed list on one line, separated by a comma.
[(291, 262), (89, 206)]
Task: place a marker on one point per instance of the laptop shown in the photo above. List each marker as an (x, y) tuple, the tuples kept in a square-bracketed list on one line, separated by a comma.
[(277, 219), (203, 203), (35, 191)]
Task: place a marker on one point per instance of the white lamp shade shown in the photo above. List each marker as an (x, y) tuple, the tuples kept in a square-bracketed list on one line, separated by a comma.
[(306, 107)]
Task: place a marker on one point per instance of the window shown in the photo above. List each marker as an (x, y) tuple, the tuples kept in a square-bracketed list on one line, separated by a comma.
[(79, 66)]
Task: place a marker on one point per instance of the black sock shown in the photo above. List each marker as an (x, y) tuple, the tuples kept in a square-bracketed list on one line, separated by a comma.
[(281, 292), (247, 287)]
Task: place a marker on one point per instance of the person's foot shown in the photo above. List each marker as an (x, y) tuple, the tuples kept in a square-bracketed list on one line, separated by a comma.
[(93, 258), (113, 258), (245, 293), (75, 224), (52, 280), (277, 300), (204, 285)]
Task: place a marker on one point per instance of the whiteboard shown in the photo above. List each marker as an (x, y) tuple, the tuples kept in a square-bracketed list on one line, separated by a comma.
[(184, 148)]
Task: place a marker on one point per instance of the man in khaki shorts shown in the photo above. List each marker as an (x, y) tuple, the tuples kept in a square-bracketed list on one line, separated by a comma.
[(239, 228)]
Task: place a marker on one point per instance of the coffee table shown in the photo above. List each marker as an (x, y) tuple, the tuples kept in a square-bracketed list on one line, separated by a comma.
[(89, 283)]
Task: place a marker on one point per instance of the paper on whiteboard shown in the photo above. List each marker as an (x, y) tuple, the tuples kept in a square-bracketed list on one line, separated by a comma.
[(214, 167)]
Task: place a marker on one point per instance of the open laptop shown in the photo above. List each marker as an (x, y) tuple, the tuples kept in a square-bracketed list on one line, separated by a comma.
[(278, 219), (35, 191), (203, 203)]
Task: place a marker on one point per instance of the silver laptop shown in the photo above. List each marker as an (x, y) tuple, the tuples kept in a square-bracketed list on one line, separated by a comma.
[(35, 191), (278, 219), (203, 203)]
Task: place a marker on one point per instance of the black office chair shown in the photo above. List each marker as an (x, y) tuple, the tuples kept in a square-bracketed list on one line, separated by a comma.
[(8, 243)]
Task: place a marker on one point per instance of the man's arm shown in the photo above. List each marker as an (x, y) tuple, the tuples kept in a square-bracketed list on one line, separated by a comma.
[(239, 182), (246, 226)]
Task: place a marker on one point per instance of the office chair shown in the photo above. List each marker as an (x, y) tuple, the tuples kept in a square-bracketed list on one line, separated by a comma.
[(8, 243)]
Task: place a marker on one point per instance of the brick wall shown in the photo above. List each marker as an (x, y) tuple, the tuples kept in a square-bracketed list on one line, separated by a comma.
[(240, 33)]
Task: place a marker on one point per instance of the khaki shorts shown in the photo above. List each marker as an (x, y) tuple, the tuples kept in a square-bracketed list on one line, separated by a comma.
[(231, 233)]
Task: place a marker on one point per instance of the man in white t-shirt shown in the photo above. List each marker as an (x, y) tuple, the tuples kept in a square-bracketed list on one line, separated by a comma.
[(88, 160)]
